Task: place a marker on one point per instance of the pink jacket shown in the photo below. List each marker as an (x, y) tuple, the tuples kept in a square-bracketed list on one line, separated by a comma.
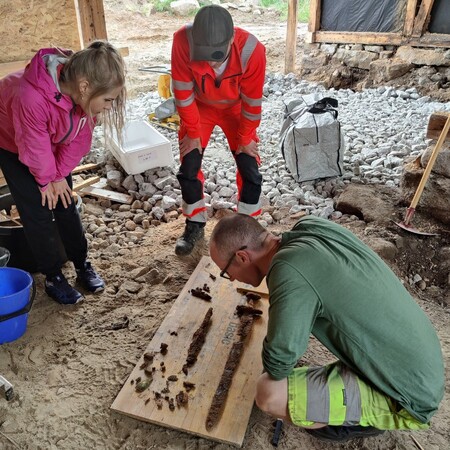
[(43, 126)]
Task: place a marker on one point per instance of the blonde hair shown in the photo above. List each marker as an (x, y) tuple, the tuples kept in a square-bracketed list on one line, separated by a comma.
[(104, 69)]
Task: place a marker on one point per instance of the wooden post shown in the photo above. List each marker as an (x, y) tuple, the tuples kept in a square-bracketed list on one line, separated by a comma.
[(91, 21), (423, 17), (315, 11), (291, 37), (409, 17)]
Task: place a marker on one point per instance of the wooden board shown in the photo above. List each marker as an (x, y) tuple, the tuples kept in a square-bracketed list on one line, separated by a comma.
[(85, 183), (262, 289), (97, 190), (184, 318)]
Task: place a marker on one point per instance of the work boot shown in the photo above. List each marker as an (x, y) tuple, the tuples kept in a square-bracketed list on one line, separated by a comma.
[(60, 290), (89, 278), (343, 433), (193, 232)]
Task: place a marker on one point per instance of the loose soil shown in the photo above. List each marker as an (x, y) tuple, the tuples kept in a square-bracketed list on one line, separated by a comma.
[(72, 361)]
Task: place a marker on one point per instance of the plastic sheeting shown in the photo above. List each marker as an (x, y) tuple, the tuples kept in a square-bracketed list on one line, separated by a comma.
[(440, 17), (361, 15)]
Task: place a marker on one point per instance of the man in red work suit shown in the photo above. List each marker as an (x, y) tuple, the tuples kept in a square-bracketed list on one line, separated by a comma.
[(218, 74)]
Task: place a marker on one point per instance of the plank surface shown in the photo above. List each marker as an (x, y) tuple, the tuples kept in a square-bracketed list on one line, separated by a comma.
[(184, 318)]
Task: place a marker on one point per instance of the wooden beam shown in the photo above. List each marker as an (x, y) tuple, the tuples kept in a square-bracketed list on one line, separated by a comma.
[(91, 21), (315, 12), (422, 18), (341, 37), (85, 167), (291, 37), (350, 37), (85, 183), (429, 40), (409, 17)]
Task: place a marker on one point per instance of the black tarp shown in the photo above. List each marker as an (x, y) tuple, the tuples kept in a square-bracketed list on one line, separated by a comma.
[(362, 15), (440, 17)]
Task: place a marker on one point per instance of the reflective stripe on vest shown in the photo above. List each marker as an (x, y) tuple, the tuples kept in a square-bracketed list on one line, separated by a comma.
[(332, 395), (353, 414), (247, 50)]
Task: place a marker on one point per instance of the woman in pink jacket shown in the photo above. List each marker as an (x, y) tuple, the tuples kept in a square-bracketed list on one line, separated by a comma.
[(47, 115)]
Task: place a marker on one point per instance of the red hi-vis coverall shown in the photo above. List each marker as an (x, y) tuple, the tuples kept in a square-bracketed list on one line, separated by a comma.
[(233, 102)]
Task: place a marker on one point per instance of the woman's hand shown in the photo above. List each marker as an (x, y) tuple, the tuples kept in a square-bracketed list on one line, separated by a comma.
[(188, 144), (49, 197), (63, 191)]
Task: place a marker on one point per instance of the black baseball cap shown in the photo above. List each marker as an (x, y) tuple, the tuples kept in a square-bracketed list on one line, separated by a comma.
[(212, 32)]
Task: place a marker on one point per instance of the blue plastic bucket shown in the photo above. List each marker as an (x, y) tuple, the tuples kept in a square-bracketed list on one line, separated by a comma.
[(17, 292)]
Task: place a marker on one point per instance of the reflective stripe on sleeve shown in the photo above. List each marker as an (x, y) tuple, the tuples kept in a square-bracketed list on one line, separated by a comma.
[(250, 116), (251, 101), (186, 102), (183, 85)]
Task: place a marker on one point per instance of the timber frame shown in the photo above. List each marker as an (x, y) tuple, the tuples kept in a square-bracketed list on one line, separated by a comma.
[(414, 31)]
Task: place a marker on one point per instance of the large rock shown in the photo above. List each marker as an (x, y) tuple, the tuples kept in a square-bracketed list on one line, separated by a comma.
[(388, 69), (184, 7), (435, 198), (422, 56), (355, 58), (311, 62), (387, 250), (442, 163), (370, 203)]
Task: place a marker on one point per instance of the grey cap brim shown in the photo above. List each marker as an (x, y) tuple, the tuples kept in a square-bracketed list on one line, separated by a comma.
[(208, 53)]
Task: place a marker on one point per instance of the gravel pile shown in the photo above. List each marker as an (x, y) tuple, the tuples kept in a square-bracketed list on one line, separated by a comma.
[(381, 128)]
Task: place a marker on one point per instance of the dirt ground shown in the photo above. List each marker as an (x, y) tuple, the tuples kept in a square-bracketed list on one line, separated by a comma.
[(71, 363)]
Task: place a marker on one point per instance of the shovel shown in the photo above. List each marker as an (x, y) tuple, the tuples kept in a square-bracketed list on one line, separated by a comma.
[(406, 224)]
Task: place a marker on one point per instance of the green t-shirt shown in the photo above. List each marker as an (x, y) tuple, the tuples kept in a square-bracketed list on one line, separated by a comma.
[(323, 280)]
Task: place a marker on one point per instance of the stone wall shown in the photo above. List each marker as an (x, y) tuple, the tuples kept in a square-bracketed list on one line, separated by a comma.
[(380, 63)]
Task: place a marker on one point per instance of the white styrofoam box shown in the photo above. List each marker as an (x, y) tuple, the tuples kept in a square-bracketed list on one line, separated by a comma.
[(142, 148)]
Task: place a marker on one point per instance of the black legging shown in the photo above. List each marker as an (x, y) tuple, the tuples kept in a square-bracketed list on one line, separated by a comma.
[(42, 226)]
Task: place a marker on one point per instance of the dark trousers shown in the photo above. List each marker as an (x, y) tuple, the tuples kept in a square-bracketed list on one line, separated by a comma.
[(190, 177), (43, 228)]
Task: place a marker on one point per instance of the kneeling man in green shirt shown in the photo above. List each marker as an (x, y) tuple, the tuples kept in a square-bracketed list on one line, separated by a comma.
[(324, 281)]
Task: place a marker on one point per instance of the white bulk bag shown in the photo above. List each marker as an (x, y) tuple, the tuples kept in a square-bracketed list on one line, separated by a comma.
[(311, 140)]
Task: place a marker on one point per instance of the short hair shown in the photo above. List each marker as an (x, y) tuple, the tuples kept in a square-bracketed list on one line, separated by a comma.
[(236, 230)]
